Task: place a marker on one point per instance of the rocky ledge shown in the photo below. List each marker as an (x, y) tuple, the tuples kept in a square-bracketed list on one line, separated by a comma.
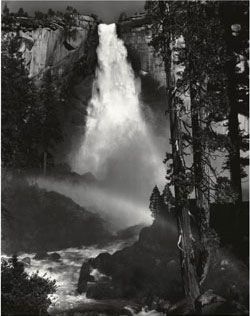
[(143, 272), (149, 274)]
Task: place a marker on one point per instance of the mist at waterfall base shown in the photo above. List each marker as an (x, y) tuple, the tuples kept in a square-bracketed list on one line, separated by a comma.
[(119, 146)]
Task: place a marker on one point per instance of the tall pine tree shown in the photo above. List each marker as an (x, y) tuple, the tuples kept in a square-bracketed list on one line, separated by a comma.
[(155, 202), (202, 80), (235, 20), (164, 29)]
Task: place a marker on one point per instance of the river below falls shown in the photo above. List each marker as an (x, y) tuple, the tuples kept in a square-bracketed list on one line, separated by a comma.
[(66, 272)]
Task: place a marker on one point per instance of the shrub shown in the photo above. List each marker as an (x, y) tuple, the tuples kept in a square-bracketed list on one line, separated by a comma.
[(23, 294)]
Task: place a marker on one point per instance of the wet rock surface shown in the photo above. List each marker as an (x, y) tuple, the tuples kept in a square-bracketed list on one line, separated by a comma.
[(149, 268), (43, 255), (148, 272)]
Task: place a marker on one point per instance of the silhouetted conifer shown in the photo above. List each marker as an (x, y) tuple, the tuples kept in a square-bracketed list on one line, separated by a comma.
[(155, 202)]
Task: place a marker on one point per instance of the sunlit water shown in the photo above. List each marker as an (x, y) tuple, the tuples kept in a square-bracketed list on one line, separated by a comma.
[(118, 211), (119, 147), (115, 122), (66, 272)]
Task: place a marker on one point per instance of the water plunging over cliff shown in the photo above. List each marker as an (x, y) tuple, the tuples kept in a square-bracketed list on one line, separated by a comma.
[(117, 143)]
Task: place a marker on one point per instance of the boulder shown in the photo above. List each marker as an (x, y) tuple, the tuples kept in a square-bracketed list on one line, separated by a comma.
[(41, 255), (210, 303), (224, 308), (101, 290), (209, 297), (85, 277), (54, 256), (26, 260)]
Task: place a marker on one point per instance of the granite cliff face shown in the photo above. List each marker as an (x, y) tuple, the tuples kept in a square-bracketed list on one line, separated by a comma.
[(49, 46), (136, 34), (45, 47)]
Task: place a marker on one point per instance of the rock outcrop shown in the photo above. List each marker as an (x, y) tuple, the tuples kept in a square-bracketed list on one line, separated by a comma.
[(49, 46), (149, 273), (142, 272)]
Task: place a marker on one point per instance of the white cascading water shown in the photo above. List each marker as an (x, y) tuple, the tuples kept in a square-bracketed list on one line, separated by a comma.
[(118, 146)]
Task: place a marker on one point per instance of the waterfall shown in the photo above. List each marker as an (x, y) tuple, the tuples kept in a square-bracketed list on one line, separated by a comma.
[(118, 146)]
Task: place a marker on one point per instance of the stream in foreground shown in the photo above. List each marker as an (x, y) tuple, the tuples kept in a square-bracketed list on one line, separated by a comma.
[(66, 272)]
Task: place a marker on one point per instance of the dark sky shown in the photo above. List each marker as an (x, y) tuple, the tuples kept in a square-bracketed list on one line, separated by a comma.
[(108, 11)]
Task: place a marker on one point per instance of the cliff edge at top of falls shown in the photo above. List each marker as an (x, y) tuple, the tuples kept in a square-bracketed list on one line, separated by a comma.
[(47, 42)]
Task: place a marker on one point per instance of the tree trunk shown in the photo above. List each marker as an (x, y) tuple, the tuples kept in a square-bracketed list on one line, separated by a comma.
[(233, 133), (188, 268), (44, 163), (201, 186), (233, 122), (200, 176), (201, 182), (185, 243)]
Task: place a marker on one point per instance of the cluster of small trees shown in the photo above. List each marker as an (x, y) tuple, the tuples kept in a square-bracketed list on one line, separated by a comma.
[(67, 15), (155, 205), (30, 126), (214, 42), (19, 13), (17, 20), (38, 14), (161, 204)]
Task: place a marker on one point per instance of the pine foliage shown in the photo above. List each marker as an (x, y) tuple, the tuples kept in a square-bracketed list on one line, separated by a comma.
[(30, 123), (22, 294)]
